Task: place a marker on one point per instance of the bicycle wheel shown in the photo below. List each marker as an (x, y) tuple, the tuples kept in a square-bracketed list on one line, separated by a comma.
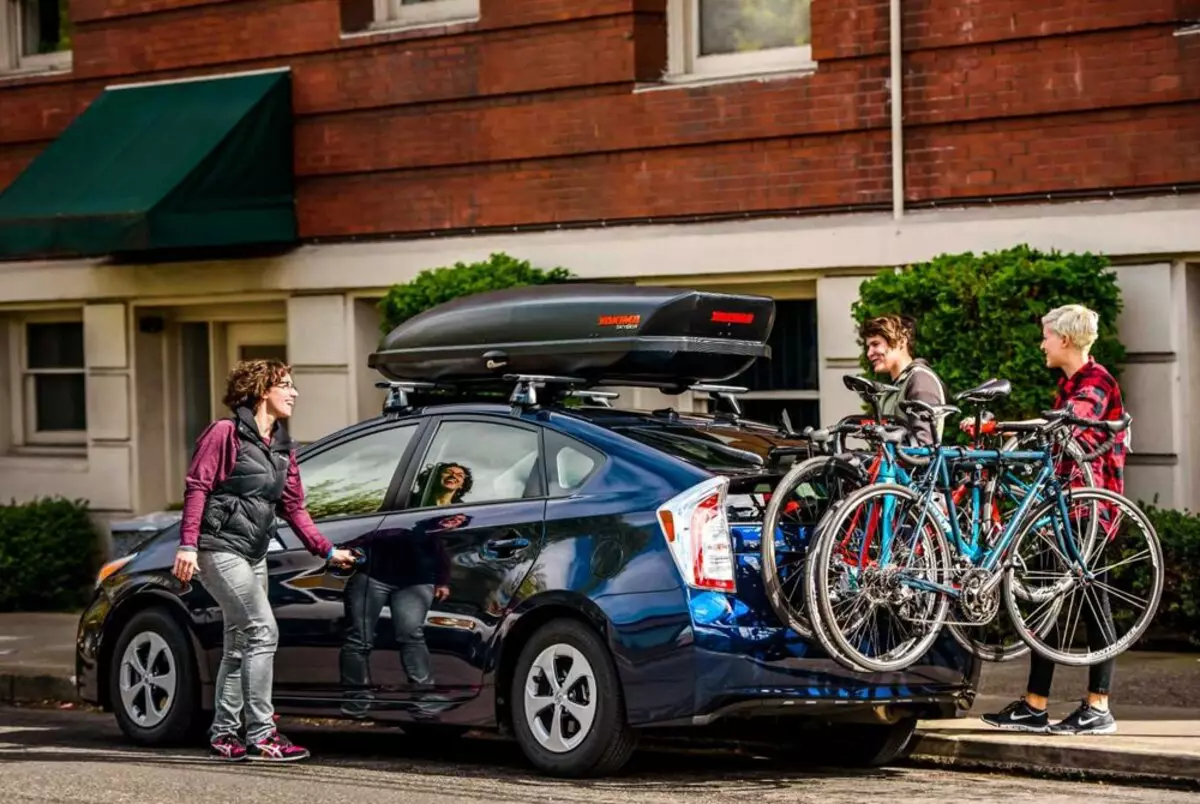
[(875, 613), (806, 493), (976, 622), (1112, 583)]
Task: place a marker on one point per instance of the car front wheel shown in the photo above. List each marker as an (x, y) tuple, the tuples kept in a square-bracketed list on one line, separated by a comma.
[(152, 681), (568, 712)]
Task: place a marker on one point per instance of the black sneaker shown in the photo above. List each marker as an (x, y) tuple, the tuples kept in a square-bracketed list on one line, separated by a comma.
[(1019, 716), (1086, 720)]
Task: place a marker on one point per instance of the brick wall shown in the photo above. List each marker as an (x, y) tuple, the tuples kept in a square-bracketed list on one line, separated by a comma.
[(530, 116)]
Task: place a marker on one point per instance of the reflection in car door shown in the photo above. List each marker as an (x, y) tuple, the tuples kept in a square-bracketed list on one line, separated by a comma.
[(486, 536), (349, 486)]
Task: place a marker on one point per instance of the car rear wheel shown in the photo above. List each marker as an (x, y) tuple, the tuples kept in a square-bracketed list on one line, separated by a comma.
[(568, 712), (152, 681)]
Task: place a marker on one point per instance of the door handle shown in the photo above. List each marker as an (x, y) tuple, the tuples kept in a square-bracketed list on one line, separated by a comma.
[(506, 547)]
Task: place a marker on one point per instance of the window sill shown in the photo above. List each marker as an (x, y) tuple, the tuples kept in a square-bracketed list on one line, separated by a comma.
[(416, 28), (44, 459), (51, 64), (692, 80)]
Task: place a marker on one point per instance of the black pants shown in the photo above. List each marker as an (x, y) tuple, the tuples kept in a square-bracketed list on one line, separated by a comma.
[(1041, 670)]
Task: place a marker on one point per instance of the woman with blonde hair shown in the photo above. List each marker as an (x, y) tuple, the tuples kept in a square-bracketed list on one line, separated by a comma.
[(243, 473)]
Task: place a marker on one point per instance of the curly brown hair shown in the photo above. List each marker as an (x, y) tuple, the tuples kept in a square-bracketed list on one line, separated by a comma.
[(896, 330), (250, 380)]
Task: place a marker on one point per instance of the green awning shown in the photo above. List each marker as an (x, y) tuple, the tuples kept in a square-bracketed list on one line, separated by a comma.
[(173, 165)]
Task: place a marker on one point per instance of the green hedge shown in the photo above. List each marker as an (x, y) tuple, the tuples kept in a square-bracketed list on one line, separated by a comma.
[(49, 555), (979, 317), (1177, 624), (433, 287)]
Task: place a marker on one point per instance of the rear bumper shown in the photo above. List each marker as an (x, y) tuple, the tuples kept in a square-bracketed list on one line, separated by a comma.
[(685, 666)]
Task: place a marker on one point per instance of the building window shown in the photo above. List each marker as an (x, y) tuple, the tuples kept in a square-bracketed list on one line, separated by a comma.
[(53, 383), (35, 35), (372, 15), (788, 381), (723, 38)]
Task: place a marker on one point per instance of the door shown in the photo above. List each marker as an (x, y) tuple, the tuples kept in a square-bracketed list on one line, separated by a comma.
[(473, 523), (348, 486), (263, 341)]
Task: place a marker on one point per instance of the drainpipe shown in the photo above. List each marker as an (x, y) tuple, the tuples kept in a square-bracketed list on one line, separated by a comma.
[(897, 80)]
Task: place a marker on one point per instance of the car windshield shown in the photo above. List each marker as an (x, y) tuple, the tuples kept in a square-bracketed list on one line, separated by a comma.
[(717, 449)]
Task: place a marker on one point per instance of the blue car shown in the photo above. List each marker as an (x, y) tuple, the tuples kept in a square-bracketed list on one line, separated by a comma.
[(602, 564)]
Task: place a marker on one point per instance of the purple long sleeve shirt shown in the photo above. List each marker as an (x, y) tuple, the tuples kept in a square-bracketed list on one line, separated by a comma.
[(216, 454)]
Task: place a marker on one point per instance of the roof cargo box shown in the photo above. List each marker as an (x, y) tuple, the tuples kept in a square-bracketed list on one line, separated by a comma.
[(602, 334)]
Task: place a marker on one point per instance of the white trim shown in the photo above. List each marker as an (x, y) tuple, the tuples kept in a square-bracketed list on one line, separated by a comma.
[(686, 64), (191, 79), (392, 15), (798, 247), (12, 63)]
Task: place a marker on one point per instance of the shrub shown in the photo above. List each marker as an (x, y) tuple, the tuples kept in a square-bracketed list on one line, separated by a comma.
[(1177, 623), (979, 317), (433, 287), (49, 554)]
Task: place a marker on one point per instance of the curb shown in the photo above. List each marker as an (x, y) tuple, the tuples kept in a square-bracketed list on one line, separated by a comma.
[(1071, 759), (17, 688)]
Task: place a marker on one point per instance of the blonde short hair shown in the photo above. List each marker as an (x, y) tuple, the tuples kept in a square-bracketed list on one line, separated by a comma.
[(1079, 325)]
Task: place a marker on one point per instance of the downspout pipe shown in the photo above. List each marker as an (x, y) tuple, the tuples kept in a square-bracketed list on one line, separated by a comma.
[(897, 82)]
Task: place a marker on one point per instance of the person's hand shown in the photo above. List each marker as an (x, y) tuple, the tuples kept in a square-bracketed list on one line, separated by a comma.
[(185, 565), (342, 558), (441, 593)]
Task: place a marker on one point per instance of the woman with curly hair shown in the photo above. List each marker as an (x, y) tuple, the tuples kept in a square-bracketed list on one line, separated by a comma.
[(243, 473)]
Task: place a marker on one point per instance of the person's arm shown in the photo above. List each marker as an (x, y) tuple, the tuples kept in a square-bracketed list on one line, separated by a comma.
[(1088, 402), (216, 450), (292, 509)]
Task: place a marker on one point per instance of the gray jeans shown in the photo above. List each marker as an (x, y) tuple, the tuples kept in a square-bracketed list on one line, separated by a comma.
[(251, 636), (365, 599)]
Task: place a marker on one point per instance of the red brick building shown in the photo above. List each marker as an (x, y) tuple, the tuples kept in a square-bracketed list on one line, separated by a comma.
[(742, 144)]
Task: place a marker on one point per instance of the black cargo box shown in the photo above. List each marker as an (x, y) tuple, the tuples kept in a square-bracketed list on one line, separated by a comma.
[(604, 334)]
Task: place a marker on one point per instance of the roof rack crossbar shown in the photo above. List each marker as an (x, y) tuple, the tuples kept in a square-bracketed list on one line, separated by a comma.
[(600, 398), (524, 394), (398, 391), (727, 392)]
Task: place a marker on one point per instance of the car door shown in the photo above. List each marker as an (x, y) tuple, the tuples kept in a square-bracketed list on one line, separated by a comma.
[(349, 485), (475, 504)]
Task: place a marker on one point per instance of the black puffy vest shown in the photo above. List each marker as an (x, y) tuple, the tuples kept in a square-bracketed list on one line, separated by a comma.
[(239, 514)]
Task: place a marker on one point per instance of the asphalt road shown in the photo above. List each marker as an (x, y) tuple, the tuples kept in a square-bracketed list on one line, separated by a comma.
[(56, 756)]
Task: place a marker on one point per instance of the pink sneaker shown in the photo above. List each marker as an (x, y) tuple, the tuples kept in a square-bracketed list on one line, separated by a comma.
[(227, 749), (277, 748)]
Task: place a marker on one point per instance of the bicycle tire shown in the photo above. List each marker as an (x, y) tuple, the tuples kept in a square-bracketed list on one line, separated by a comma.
[(1049, 509), (820, 601), (790, 608)]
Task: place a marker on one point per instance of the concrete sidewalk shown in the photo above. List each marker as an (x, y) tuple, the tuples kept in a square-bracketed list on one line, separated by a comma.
[(1157, 739)]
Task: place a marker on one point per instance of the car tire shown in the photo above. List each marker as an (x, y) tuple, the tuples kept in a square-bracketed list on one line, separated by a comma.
[(869, 745), (159, 707), (549, 721)]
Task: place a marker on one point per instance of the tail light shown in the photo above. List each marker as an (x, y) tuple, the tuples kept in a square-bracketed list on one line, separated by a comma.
[(697, 532)]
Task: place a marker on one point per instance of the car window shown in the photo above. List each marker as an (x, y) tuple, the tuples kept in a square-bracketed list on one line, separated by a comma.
[(353, 477), (570, 463), (718, 450), (474, 462)]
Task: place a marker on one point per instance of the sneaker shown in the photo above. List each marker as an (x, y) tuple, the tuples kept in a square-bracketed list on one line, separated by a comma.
[(227, 749), (1019, 716), (276, 748), (1086, 720)]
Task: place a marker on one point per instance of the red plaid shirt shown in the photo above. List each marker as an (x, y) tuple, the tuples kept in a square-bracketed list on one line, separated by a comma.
[(1093, 393)]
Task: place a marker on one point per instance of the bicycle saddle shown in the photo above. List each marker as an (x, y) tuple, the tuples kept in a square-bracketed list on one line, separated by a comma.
[(990, 390)]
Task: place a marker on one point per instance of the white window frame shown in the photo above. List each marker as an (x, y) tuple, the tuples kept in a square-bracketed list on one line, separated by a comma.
[(11, 60), (684, 62), (24, 388), (390, 14)]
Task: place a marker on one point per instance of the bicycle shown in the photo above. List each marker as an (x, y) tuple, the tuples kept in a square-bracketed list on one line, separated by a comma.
[(910, 575)]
